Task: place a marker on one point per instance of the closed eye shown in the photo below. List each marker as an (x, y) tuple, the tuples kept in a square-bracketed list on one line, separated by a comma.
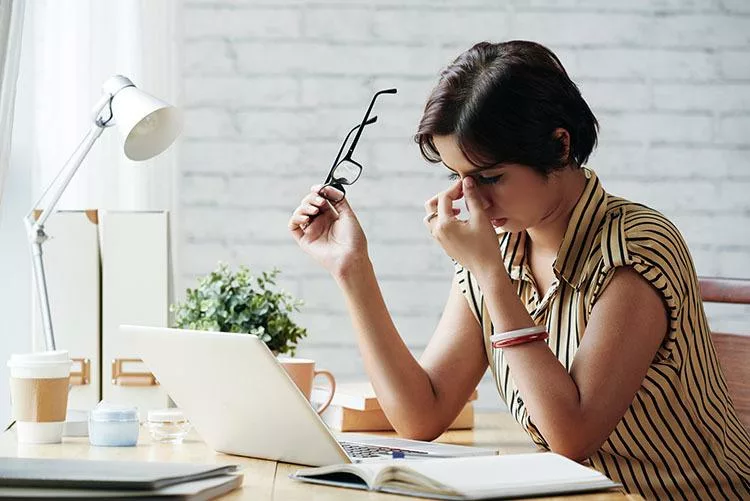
[(488, 180), (479, 179)]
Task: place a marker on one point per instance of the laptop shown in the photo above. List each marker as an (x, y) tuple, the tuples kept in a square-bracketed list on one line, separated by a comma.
[(241, 401)]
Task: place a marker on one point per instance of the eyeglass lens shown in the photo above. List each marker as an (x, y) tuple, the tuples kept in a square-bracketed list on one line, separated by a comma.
[(346, 172)]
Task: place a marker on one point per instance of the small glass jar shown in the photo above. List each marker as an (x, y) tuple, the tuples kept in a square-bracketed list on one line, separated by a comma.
[(167, 426), (113, 425)]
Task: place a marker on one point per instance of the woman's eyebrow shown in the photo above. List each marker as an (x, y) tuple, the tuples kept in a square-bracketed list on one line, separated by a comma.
[(477, 170)]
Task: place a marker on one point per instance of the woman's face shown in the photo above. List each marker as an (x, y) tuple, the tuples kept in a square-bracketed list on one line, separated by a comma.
[(515, 196)]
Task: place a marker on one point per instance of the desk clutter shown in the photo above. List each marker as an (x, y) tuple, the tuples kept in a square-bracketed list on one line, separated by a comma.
[(32, 478), (112, 425), (354, 407), (266, 480)]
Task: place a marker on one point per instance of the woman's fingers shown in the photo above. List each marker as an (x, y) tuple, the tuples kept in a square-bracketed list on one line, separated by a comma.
[(441, 205), (446, 198), (431, 218), (329, 197), (455, 192), (314, 199), (298, 221), (312, 205), (308, 209), (329, 192), (430, 205)]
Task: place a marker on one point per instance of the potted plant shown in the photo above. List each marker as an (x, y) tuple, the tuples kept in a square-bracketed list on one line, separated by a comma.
[(230, 301)]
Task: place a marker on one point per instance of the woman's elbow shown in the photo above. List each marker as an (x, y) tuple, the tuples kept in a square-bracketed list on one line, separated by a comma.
[(418, 431), (425, 435), (576, 449)]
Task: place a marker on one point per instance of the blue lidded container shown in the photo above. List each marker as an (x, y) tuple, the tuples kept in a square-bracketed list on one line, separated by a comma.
[(113, 425)]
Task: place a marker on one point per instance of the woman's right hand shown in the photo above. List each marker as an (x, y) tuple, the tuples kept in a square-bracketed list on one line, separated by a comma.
[(328, 231)]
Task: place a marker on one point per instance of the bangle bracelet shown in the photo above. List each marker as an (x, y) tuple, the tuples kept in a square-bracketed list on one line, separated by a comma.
[(504, 336), (528, 338)]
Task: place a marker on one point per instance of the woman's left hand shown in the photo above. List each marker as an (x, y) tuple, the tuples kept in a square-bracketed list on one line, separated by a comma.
[(472, 242)]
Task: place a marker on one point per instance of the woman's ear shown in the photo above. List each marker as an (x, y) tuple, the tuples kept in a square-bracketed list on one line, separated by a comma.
[(562, 137)]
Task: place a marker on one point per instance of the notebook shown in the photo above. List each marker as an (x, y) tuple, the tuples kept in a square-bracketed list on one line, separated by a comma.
[(486, 477), (89, 474)]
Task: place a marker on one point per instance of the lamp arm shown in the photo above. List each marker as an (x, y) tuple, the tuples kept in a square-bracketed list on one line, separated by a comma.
[(66, 173), (70, 167), (35, 227)]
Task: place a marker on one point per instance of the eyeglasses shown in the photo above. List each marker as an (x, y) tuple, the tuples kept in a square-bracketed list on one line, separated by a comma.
[(345, 171)]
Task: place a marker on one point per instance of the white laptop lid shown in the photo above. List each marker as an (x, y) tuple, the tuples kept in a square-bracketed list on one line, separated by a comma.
[(221, 380)]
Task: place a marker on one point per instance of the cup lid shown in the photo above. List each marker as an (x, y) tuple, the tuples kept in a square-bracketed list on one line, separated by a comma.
[(104, 411), (166, 415), (39, 358)]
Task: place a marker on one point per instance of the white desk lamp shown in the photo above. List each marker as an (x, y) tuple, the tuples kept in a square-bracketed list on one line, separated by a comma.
[(148, 127)]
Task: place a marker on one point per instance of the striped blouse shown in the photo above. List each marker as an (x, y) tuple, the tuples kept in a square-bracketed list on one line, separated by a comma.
[(680, 438)]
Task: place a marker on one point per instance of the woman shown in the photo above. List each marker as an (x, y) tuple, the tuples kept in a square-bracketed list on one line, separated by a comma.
[(585, 306)]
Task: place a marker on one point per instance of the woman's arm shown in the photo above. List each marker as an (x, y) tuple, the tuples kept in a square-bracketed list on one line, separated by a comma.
[(576, 412), (420, 399)]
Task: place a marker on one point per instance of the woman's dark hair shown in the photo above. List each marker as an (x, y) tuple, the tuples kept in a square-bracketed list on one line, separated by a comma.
[(503, 102)]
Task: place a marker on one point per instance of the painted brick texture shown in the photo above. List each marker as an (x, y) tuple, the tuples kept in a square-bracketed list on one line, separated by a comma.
[(271, 87)]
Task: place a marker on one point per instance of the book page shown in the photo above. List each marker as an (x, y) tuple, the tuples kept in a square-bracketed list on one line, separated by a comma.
[(515, 473), (368, 472)]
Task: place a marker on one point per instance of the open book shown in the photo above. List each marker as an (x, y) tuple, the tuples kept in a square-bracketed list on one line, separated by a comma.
[(464, 478)]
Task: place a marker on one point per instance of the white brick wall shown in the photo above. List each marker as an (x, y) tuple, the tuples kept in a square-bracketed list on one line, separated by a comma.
[(270, 88)]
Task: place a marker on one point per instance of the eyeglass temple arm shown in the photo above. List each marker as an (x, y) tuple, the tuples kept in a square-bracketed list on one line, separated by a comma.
[(367, 114), (338, 155)]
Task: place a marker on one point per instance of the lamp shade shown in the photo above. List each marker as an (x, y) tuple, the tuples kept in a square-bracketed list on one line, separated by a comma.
[(148, 125)]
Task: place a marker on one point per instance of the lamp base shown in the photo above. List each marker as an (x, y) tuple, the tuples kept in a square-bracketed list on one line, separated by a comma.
[(76, 423)]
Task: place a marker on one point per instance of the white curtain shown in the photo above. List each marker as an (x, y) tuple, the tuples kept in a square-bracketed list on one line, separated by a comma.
[(11, 27), (78, 45), (70, 47)]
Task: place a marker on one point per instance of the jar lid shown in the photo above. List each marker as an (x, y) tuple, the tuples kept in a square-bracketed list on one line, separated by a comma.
[(172, 415), (105, 411)]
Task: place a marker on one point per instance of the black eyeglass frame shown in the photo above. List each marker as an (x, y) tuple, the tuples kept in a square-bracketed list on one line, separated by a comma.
[(339, 183)]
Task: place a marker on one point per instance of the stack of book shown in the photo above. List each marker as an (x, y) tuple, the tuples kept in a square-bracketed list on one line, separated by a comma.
[(48, 478), (355, 408)]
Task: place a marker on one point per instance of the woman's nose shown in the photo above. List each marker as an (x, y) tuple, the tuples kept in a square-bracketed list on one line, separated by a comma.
[(486, 201)]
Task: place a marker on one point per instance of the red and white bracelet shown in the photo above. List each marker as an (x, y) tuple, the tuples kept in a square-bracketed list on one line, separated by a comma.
[(519, 336)]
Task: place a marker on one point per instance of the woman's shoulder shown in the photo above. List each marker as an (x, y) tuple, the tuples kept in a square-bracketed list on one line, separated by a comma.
[(636, 235), (642, 224)]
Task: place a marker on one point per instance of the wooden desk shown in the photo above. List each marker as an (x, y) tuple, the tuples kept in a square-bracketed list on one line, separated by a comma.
[(269, 479)]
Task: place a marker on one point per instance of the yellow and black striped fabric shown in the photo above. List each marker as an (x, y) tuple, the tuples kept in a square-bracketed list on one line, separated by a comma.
[(680, 438)]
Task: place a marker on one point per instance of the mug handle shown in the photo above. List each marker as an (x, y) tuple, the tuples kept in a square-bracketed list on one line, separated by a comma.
[(332, 382)]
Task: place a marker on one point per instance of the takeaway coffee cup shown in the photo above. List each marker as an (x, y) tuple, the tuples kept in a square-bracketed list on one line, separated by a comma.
[(39, 395)]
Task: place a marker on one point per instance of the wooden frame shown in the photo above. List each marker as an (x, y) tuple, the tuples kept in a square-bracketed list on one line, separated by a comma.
[(733, 350)]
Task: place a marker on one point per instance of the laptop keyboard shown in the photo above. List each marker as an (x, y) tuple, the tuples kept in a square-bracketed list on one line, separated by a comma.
[(362, 451)]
